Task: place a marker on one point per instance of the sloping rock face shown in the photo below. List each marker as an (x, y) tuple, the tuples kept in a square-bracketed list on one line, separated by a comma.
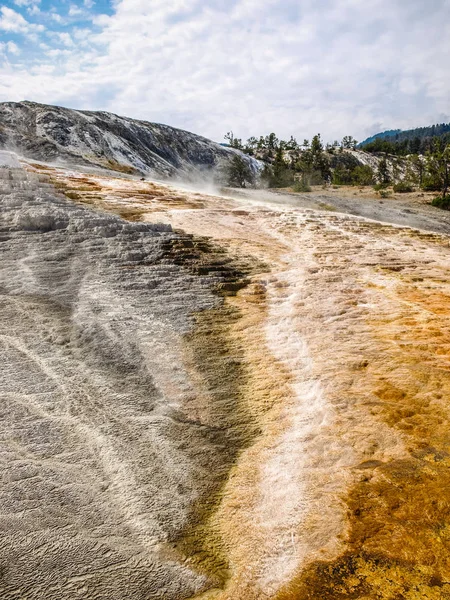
[(50, 133), (104, 456)]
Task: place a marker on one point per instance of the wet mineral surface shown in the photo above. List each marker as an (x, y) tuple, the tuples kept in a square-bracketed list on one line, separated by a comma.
[(216, 397)]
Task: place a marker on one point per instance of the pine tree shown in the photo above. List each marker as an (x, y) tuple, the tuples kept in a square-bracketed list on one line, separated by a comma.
[(437, 177), (239, 172), (383, 174), (281, 175)]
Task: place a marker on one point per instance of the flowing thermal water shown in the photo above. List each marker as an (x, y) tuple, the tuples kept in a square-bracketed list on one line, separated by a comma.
[(298, 421)]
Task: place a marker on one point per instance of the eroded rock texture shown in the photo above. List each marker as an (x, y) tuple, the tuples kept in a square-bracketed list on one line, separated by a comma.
[(106, 449), (52, 133)]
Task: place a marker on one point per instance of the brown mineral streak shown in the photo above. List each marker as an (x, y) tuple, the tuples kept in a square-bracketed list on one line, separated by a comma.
[(399, 513)]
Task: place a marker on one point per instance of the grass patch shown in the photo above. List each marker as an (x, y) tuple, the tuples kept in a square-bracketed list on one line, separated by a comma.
[(324, 206)]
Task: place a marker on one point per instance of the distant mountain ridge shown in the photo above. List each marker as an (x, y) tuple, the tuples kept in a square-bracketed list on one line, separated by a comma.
[(382, 135), (52, 133), (398, 135)]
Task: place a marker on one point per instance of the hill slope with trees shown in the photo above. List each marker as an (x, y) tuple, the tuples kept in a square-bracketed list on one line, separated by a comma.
[(382, 163), (411, 141)]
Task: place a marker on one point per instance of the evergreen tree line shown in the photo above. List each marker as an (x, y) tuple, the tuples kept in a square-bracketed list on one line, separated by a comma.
[(414, 141), (290, 164)]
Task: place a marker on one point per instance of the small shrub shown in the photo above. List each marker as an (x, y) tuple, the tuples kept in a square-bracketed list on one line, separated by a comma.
[(385, 193), (431, 184), (325, 206), (301, 186), (441, 202), (312, 177), (403, 187), (363, 175), (380, 186)]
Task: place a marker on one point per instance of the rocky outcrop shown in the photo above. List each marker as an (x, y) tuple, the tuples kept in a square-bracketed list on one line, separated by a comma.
[(55, 134), (109, 443)]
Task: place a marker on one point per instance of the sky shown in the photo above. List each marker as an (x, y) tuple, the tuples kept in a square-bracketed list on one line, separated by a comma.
[(296, 67)]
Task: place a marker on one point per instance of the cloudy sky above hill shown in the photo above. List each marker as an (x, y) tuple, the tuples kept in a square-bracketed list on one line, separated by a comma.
[(252, 66)]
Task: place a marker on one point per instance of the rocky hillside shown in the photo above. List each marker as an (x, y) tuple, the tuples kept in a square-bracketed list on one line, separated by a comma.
[(55, 134)]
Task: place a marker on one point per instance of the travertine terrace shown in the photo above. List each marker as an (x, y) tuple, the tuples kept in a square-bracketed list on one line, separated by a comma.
[(218, 398)]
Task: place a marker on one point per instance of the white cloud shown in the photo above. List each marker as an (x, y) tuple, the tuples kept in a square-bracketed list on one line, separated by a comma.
[(13, 22), (65, 38), (12, 48), (26, 2), (57, 18), (254, 66), (34, 10), (76, 11)]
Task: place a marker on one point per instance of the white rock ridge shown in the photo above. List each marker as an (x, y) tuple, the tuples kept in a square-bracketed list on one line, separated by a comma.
[(51, 133)]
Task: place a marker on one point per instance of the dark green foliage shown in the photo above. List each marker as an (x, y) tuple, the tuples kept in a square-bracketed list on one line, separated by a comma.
[(317, 165), (313, 178), (232, 141), (347, 170), (403, 187), (383, 174), (251, 146), (239, 173), (412, 141), (430, 184), (266, 175), (441, 202), (342, 176), (426, 161), (344, 160), (314, 163), (363, 175), (390, 133), (437, 175), (301, 186), (416, 169), (292, 144), (348, 142), (282, 176)]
